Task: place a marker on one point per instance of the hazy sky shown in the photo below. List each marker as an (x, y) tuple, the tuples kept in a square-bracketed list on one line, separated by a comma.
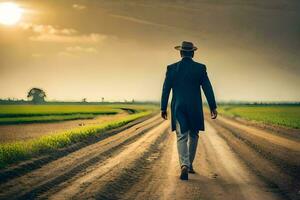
[(119, 49)]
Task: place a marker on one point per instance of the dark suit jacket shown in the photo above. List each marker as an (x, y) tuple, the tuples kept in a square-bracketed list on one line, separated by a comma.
[(185, 78)]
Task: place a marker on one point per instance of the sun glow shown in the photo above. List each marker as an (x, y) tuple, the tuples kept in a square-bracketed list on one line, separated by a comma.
[(10, 13)]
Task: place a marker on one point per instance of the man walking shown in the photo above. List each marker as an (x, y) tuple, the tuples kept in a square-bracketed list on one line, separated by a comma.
[(185, 78)]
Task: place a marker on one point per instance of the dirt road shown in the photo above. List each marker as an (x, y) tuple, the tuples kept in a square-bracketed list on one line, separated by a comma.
[(234, 161)]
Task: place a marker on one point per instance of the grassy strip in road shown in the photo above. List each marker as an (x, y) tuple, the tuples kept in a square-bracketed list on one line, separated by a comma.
[(47, 118), (17, 151), (282, 115)]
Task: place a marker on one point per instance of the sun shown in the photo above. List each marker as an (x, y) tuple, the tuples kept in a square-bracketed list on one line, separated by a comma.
[(10, 13)]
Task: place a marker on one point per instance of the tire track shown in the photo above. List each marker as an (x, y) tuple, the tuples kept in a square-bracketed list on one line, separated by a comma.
[(116, 189), (229, 177), (288, 160), (263, 135), (274, 164), (98, 176)]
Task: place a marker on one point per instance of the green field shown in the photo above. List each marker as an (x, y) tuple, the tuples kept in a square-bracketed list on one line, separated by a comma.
[(46, 118), (282, 115), (42, 110), (16, 114), (22, 150)]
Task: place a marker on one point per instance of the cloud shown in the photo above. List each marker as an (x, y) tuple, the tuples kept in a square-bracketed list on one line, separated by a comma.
[(140, 21), (82, 49), (49, 33), (90, 38), (79, 7), (75, 50), (47, 29)]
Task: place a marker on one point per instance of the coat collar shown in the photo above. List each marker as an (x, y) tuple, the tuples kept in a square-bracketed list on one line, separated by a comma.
[(184, 59)]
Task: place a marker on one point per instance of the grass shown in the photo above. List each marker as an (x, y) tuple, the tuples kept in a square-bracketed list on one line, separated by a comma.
[(22, 150), (47, 118), (44, 110), (282, 115), (17, 114)]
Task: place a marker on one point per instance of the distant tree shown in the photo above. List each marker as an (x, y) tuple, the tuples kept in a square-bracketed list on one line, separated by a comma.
[(36, 95), (102, 99), (84, 100)]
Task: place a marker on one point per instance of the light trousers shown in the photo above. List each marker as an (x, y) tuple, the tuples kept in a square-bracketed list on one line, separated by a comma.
[(186, 145)]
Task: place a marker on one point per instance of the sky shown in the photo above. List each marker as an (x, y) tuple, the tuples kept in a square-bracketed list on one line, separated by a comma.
[(119, 50)]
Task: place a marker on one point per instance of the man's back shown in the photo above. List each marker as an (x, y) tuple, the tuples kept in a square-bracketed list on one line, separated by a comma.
[(185, 78)]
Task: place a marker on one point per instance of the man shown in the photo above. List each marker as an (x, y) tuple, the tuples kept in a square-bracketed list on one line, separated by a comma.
[(185, 78)]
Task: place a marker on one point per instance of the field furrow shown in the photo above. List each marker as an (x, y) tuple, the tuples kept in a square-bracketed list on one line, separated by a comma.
[(62, 169), (275, 159)]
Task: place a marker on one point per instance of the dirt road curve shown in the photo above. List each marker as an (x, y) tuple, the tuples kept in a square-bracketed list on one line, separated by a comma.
[(234, 161)]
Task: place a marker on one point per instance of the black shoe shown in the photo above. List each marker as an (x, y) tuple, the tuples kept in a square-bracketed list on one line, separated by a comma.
[(191, 170), (184, 173)]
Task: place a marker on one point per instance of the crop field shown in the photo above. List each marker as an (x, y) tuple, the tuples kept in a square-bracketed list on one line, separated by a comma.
[(12, 152), (282, 115), (44, 118), (16, 151), (16, 114)]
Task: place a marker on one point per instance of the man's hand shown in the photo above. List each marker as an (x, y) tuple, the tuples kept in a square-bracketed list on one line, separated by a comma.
[(164, 115), (214, 113)]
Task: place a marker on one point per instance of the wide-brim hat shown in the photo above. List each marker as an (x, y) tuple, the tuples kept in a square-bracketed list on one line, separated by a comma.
[(186, 46)]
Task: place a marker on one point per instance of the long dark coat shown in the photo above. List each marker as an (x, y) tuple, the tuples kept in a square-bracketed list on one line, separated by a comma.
[(185, 78)]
